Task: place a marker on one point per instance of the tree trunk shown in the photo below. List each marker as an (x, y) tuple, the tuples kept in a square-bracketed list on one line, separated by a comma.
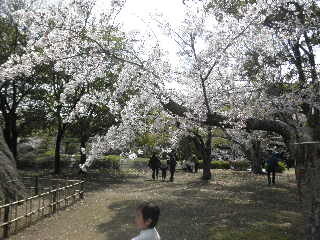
[(7, 130), (57, 167), (14, 139), (82, 145), (255, 156), (10, 133), (308, 167), (206, 175)]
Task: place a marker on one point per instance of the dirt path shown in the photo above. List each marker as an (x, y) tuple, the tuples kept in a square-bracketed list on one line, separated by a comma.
[(190, 209)]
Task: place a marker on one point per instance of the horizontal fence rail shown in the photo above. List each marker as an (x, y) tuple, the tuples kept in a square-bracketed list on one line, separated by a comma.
[(20, 214)]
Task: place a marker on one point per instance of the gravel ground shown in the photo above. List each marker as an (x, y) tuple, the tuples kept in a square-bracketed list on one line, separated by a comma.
[(234, 205)]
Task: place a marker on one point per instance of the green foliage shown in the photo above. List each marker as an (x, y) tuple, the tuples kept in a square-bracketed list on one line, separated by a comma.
[(42, 161), (217, 132), (217, 164), (114, 158), (147, 139), (220, 164), (220, 142), (72, 148), (229, 7), (11, 40), (240, 165), (108, 161), (281, 167), (49, 153)]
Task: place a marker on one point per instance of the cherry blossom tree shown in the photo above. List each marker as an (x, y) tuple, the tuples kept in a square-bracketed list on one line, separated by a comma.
[(71, 48)]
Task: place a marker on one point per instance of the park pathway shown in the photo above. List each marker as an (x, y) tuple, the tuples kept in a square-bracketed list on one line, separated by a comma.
[(190, 209)]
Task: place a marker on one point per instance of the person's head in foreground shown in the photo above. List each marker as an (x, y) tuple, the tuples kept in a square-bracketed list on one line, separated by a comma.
[(147, 215)]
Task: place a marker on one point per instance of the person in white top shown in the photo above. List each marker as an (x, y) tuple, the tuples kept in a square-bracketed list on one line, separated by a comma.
[(146, 219)]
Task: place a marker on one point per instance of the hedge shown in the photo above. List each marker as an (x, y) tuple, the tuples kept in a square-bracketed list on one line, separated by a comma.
[(240, 165), (46, 161), (217, 164), (140, 162)]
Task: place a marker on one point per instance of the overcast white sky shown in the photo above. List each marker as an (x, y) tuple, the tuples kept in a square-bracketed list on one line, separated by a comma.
[(136, 12), (136, 16)]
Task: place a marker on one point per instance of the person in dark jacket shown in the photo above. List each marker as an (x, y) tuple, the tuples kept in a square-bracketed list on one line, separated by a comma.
[(172, 163), (272, 164), (154, 164)]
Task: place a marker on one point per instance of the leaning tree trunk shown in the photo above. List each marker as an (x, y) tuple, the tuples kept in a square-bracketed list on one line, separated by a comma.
[(11, 186), (308, 169), (204, 149)]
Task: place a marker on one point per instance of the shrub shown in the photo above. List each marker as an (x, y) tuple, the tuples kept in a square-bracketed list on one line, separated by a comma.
[(42, 161), (49, 152), (281, 167), (24, 148), (73, 148), (26, 160), (220, 164), (108, 161), (217, 164), (112, 157), (140, 162), (240, 165)]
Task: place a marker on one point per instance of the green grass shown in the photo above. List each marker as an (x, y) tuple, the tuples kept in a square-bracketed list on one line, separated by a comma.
[(258, 211)]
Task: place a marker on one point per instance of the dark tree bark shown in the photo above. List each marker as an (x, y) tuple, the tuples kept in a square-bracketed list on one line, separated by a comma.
[(308, 167), (83, 141), (254, 156), (57, 160), (204, 149), (10, 132), (206, 175)]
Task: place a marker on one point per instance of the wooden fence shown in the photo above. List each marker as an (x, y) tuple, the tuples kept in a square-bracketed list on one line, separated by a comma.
[(17, 215)]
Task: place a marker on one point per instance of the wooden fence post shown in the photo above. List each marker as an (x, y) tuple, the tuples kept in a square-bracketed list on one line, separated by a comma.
[(81, 190), (6, 228), (36, 185), (54, 202)]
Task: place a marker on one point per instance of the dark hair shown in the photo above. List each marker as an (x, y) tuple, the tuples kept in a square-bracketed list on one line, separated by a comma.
[(150, 211)]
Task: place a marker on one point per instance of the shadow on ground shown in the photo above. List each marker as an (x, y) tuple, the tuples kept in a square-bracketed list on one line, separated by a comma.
[(232, 207)]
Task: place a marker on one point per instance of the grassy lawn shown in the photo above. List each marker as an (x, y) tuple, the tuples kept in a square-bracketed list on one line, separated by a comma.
[(233, 206)]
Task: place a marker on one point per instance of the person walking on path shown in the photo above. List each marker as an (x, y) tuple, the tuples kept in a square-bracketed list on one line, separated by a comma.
[(154, 164), (196, 163), (172, 162), (164, 168), (272, 164)]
